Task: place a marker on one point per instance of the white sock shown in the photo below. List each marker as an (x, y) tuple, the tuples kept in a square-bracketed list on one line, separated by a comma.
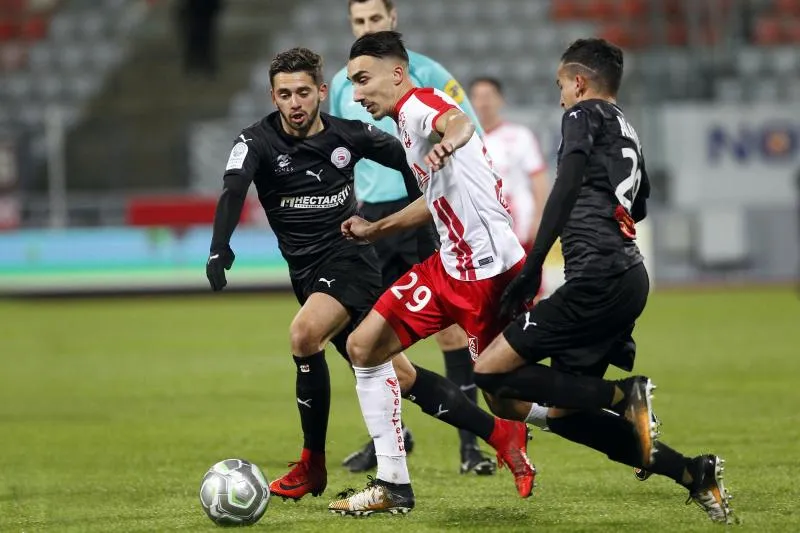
[(379, 395), (537, 416)]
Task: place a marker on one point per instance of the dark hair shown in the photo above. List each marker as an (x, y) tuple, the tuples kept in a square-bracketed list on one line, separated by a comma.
[(297, 60), (494, 82), (381, 44), (601, 60), (388, 4)]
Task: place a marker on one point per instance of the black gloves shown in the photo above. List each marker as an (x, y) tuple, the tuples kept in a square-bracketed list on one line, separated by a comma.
[(219, 261), (520, 292)]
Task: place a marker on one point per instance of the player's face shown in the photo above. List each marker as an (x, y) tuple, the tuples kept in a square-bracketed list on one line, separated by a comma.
[(371, 17), (375, 83), (297, 98), (571, 85), (487, 102)]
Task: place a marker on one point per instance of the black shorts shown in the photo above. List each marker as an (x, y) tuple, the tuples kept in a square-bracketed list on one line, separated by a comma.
[(399, 252), (353, 280), (586, 325)]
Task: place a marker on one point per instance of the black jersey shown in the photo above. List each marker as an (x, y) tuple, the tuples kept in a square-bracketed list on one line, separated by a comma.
[(305, 185), (598, 238)]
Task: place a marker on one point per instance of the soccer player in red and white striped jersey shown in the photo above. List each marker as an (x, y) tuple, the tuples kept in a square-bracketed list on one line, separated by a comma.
[(462, 284)]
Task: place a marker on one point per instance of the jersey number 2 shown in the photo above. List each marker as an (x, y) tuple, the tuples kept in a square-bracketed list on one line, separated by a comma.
[(630, 185), (421, 295)]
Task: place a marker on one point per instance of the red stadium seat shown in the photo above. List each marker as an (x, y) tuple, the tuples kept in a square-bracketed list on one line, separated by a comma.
[(624, 36), (787, 7), (792, 30), (566, 9), (34, 29), (768, 31), (601, 9), (677, 34), (634, 9), (8, 30)]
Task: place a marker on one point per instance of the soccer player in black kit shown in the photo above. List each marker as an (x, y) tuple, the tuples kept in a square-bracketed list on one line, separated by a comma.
[(302, 163), (586, 325)]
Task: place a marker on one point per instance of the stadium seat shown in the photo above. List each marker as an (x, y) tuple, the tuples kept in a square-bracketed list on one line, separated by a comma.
[(601, 10), (767, 31), (9, 30), (566, 9), (791, 30), (633, 9), (34, 28), (677, 34), (786, 7)]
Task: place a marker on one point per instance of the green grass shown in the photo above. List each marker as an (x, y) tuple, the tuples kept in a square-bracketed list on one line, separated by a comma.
[(112, 410)]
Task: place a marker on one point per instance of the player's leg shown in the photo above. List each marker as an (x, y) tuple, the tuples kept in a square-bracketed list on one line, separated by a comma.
[(320, 318), (458, 369)]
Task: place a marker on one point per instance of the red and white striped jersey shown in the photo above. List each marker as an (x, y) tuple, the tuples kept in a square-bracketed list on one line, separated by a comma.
[(516, 155), (465, 197)]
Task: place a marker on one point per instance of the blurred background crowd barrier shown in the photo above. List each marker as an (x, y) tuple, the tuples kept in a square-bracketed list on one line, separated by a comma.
[(117, 117)]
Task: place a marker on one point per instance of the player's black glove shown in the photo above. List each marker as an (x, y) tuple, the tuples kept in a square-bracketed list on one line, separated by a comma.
[(520, 292), (219, 261)]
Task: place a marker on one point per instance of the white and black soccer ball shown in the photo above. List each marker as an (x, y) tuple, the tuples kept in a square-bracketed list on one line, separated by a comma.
[(234, 492)]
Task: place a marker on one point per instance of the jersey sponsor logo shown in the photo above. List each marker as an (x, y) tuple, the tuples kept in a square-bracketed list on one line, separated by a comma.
[(401, 120), (340, 157), (472, 344), (454, 89), (284, 162), (406, 139), (237, 157), (317, 202)]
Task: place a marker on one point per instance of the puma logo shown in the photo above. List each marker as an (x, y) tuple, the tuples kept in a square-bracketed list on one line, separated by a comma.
[(528, 321), (328, 282), (317, 175)]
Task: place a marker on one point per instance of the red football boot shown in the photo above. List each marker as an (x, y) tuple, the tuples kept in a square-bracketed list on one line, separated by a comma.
[(308, 475), (510, 440)]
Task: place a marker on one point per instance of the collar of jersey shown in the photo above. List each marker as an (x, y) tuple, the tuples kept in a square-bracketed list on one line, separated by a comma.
[(403, 100)]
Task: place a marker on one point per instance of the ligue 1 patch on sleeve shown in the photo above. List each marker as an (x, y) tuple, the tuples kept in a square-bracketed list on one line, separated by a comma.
[(453, 88), (238, 154)]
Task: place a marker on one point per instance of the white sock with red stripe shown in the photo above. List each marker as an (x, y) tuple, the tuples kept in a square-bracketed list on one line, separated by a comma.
[(537, 416), (379, 395)]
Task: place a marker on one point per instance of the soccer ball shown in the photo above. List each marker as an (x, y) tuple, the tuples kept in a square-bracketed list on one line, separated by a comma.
[(234, 492)]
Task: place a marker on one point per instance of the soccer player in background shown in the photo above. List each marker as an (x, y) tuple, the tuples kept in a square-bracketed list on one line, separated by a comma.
[(302, 163), (461, 284), (516, 155), (380, 192), (587, 324)]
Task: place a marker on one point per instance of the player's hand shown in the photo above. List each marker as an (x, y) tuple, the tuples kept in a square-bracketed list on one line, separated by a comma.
[(519, 293), (218, 262), (357, 228), (439, 155)]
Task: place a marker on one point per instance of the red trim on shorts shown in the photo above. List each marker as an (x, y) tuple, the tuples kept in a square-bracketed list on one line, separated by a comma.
[(455, 231)]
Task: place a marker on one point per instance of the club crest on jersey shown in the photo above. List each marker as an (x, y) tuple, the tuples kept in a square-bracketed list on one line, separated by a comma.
[(340, 157)]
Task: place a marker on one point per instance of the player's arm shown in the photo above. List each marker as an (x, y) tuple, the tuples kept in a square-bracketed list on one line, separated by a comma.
[(456, 130), (239, 172), (534, 164), (379, 146), (578, 132), (414, 215)]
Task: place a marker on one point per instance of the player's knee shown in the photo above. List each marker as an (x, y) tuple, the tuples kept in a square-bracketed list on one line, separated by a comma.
[(451, 338), (359, 349), (489, 382), (304, 338)]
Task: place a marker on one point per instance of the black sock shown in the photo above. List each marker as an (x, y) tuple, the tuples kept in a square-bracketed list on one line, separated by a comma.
[(313, 399), (602, 431), (544, 385), (441, 398), (458, 367), (669, 462)]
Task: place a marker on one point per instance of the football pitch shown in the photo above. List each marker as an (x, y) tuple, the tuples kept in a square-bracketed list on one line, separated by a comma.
[(112, 410)]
